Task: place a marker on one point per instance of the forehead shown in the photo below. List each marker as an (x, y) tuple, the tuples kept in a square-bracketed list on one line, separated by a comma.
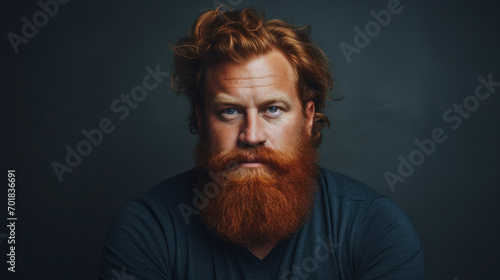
[(268, 74)]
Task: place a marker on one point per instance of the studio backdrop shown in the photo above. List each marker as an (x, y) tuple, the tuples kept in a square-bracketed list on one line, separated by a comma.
[(90, 121)]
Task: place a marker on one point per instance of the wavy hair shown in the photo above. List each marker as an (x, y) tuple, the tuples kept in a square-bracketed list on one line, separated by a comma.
[(239, 35)]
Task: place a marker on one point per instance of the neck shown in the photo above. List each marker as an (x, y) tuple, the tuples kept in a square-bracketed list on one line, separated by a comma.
[(260, 250)]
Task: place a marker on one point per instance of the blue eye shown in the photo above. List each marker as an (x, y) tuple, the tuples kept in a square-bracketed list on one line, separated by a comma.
[(273, 109), (230, 111)]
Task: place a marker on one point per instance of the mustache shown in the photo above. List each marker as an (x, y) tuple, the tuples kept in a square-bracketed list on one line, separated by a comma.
[(276, 159)]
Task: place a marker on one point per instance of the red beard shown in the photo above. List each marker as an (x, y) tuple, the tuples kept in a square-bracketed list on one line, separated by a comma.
[(261, 204)]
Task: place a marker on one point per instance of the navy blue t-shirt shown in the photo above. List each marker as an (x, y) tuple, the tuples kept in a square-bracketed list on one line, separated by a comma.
[(352, 233)]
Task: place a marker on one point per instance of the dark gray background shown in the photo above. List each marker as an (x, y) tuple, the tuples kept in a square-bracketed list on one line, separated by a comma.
[(396, 90)]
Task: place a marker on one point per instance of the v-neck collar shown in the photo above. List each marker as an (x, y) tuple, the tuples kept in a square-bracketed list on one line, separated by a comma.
[(277, 251)]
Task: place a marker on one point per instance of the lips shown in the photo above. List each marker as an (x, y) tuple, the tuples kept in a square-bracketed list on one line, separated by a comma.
[(251, 163)]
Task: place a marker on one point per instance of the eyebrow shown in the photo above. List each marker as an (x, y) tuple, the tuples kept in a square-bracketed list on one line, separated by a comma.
[(225, 100), (252, 86), (252, 78)]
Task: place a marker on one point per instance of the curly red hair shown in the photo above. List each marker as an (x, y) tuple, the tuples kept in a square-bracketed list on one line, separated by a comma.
[(218, 36)]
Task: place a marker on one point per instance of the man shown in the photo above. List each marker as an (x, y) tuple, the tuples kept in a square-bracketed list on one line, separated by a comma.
[(257, 205)]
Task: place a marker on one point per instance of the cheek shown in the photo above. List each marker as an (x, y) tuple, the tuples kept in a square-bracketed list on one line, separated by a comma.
[(221, 136), (286, 136), (296, 132)]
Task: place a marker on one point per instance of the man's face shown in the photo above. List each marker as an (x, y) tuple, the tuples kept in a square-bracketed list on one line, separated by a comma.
[(253, 117), (254, 103)]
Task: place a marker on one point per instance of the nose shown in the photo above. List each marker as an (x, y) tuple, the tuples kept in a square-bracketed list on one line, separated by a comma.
[(252, 130)]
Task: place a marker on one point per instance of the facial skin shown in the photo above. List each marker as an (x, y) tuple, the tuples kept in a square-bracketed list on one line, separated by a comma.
[(254, 103)]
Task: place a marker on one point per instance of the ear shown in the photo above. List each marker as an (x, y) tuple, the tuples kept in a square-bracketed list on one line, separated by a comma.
[(310, 111), (199, 116)]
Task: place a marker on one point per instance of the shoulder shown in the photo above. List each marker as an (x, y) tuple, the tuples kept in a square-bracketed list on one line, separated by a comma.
[(342, 186), (143, 234), (380, 232), (352, 201), (172, 200), (156, 210), (366, 202), (152, 207), (173, 188)]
